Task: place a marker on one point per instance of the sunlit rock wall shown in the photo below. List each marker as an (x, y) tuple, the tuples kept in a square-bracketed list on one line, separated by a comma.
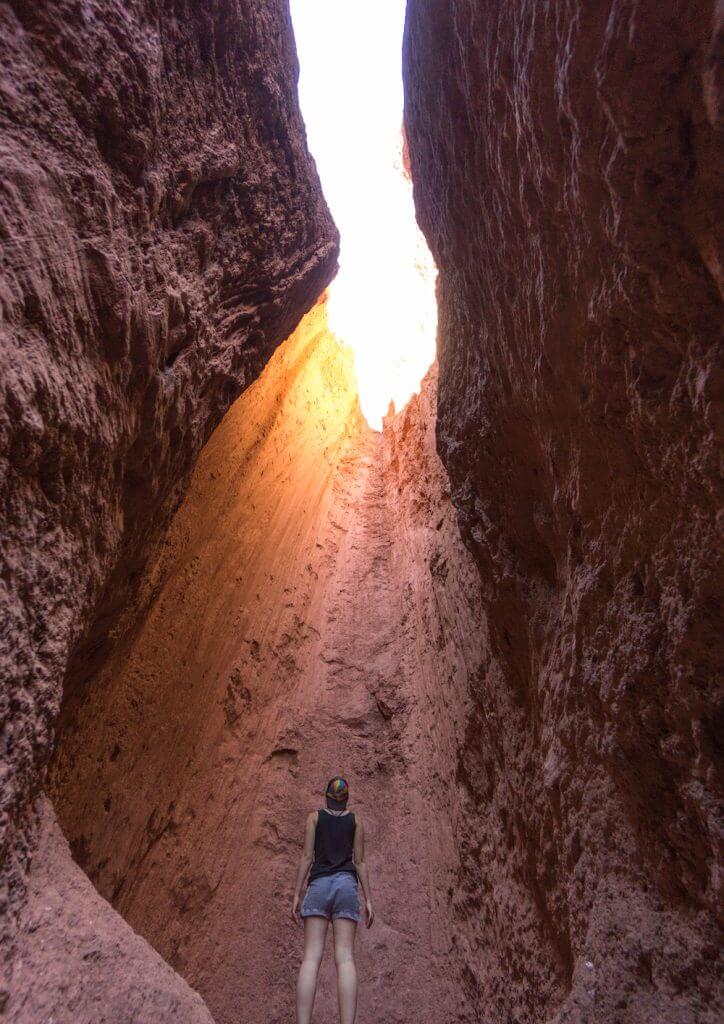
[(565, 159), (161, 230), (312, 610)]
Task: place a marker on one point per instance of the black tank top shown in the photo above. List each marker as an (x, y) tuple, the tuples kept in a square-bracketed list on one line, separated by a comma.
[(333, 845)]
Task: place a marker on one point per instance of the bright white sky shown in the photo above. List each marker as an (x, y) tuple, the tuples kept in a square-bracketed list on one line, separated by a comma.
[(382, 303)]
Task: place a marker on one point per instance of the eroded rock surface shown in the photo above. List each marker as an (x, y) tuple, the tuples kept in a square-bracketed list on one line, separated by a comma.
[(566, 160), (528, 723), (161, 230), (313, 610), (77, 962)]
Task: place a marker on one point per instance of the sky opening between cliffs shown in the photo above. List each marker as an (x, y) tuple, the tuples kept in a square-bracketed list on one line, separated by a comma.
[(382, 304)]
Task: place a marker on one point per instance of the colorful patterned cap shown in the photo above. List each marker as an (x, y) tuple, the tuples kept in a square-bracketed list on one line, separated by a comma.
[(337, 789)]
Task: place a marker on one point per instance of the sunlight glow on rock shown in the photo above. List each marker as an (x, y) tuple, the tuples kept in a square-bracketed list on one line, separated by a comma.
[(382, 303)]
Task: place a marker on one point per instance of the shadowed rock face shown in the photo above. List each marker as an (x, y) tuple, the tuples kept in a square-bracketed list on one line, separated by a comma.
[(565, 160), (162, 228)]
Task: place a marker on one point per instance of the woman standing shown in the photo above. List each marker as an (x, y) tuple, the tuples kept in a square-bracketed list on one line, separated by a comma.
[(334, 849)]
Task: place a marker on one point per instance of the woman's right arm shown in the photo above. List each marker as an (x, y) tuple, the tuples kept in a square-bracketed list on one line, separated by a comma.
[(362, 871), (305, 862)]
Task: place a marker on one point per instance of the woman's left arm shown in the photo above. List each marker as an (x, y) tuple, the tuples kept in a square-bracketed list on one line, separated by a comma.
[(305, 862), (362, 871)]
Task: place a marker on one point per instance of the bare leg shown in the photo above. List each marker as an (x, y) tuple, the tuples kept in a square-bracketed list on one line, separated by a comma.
[(315, 933), (344, 933)]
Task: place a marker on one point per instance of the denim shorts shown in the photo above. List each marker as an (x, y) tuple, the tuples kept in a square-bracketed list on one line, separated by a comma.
[(332, 896)]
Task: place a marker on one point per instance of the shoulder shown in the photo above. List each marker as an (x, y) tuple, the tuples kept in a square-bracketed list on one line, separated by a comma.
[(312, 817), (357, 821)]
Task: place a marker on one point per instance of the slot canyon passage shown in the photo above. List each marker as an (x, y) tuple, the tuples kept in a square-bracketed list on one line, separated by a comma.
[(499, 616)]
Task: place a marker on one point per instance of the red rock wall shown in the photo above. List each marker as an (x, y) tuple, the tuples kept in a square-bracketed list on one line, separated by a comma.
[(566, 160), (76, 961), (530, 735), (162, 228), (310, 612)]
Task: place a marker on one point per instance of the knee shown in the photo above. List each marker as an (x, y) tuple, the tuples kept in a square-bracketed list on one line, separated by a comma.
[(312, 959), (343, 956)]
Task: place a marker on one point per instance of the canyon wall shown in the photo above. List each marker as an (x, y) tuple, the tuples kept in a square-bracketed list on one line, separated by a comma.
[(566, 159), (311, 611), (162, 229), (75, 961), (529, 722)]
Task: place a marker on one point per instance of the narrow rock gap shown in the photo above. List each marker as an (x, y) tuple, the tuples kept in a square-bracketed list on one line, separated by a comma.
[(229, 569), (295, 629), (274, 640)]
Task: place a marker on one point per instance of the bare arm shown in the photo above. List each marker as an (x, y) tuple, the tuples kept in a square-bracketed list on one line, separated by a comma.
[(363, 874), (305, 862)]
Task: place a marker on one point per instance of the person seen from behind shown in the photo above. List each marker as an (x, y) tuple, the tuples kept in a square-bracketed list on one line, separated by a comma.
[(333, 856)]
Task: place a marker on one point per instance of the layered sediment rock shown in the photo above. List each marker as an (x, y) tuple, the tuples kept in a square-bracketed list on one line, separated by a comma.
[(161, 230), (565, 161), (311, 612)]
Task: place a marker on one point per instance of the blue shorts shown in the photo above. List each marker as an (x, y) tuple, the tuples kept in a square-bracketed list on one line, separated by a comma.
[(332, 896)]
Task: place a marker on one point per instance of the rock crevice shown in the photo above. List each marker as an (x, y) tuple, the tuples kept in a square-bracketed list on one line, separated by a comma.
[(499, 617)]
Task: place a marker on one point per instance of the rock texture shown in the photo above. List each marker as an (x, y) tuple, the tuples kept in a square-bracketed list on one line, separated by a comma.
[(311, 611), (162, 228), (89, 967), (529, 722), (566, 160)]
